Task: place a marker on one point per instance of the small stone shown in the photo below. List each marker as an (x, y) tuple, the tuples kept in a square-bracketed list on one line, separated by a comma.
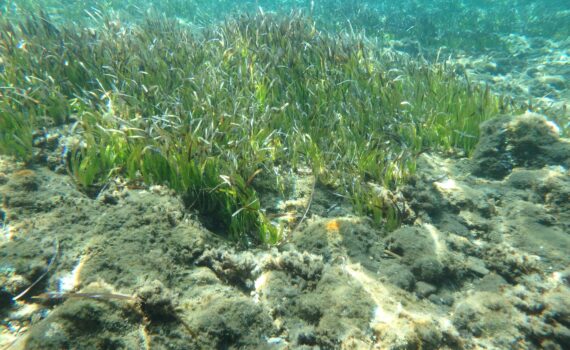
[(424, 289), (477, 265), (3, 178), (554, 81), (24, 180)]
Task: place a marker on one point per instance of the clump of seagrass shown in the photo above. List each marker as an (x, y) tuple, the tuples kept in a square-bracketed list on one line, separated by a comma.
[(204, 114)]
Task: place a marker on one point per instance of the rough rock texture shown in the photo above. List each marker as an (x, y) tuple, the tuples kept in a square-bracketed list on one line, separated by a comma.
[(483, 265), (528, 140)]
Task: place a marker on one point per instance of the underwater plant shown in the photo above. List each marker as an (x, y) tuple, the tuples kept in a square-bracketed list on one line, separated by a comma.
[(205, 113)]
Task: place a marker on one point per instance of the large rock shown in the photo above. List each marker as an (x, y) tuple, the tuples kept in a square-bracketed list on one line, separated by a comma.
[(529, 140)]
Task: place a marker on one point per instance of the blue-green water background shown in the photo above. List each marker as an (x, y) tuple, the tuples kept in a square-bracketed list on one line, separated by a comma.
[(472, 26)]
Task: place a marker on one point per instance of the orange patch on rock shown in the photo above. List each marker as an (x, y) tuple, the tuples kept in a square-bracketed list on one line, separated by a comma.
[(333, 225)]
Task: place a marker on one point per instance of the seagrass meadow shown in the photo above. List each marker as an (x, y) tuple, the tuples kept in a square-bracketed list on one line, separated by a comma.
[(206, 112)]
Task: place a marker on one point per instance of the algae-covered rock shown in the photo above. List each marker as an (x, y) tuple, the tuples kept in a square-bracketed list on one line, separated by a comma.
[(224, 322), (529, 140), (423, 250), (89, 323)]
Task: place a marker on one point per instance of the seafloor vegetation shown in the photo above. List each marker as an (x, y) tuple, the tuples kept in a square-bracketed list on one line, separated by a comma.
[(209, 111), (205, 113)]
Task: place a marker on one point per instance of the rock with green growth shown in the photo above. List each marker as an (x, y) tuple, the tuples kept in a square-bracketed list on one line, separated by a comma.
[(529, 140)]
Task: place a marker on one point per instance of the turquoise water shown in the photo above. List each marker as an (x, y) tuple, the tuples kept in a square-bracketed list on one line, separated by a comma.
[(463, 24)]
